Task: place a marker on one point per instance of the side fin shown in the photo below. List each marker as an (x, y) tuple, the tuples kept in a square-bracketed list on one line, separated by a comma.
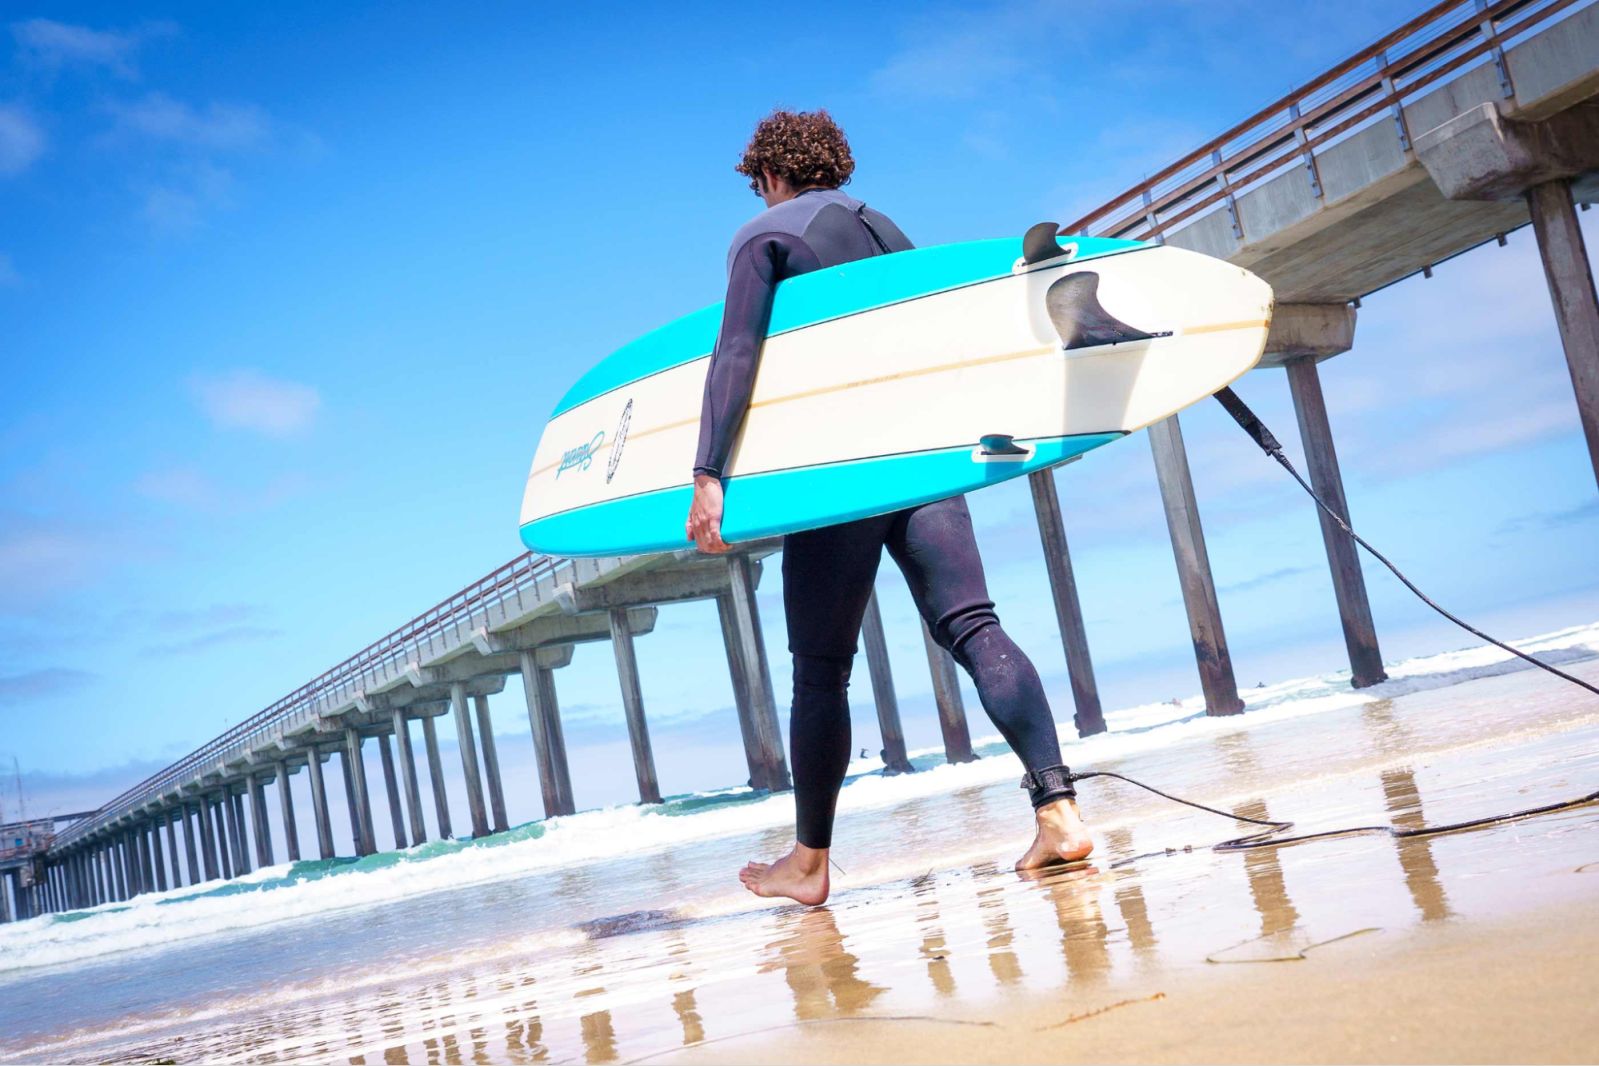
[(1038, 243), (1080, 319)]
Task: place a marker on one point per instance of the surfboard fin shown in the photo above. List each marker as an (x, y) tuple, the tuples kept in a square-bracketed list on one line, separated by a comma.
[(1038, 243), (1000, 444), (1080, 319)]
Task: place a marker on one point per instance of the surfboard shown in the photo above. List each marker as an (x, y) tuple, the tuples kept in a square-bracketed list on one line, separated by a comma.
[(894, 381)]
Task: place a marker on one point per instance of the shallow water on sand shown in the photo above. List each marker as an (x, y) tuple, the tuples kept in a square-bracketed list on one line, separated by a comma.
[(653, 948)]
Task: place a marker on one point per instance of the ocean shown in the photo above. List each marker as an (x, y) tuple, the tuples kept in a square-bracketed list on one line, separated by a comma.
[(625, 911)]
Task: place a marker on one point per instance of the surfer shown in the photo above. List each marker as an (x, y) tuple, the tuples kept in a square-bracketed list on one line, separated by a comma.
[(796, 163)]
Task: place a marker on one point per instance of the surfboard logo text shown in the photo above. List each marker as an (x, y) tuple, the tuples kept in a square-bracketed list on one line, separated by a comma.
[(580, 457), (621, 439)]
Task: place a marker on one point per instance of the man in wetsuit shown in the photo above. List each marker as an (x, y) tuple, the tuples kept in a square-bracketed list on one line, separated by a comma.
[(796, 163)]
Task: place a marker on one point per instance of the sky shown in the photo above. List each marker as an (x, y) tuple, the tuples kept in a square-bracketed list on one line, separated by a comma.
[(286, 292)]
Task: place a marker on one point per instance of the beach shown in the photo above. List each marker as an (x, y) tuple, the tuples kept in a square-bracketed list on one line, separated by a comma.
[(623, 935)]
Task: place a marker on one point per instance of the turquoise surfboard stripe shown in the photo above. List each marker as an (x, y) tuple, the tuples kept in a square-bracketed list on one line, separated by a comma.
[(821, 295), (761, 505)]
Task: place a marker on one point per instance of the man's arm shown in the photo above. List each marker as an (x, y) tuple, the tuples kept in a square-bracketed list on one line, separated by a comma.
[(755, 271), (729, 381)]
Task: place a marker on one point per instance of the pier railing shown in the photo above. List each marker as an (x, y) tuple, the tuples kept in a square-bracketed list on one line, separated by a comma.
[(1371, 86), (410, 641)]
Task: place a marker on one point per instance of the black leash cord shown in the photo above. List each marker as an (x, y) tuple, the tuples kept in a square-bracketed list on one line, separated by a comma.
[(1271, 836)]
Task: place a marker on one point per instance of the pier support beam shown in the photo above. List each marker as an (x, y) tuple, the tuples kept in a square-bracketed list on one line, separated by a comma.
[(1571, 289), (1088, 716), (241, 846), (222, 818), (190, 852), (1343, 557), (291, 831), (469, 767), (207, 839), (549, 743), (741, 701), (391, 786), (947, 697), (1193, 569), (156, 856), (319, 804), (413, 791), (491, 763), (441, 799), (171, 820), (358, 794), (141, 834), (768, 735), (263, 828), (638, 730), (1484, 155), (896, 760), (238, 830)]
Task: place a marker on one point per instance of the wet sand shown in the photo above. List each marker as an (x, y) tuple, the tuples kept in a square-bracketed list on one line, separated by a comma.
[(1467, 947)]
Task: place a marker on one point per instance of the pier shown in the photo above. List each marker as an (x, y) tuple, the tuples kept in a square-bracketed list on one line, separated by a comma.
[(1470, 121)]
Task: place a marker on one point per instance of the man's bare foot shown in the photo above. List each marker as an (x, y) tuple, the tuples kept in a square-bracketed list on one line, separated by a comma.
[(1062, 837), (801, 875)]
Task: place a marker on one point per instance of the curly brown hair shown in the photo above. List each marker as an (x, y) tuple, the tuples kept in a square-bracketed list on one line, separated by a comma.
[(804, 148)]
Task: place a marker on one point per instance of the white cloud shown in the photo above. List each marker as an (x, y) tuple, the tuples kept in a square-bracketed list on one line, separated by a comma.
[(53, 45), (216, 126), (180, 202), (21, 140), (249, 400)]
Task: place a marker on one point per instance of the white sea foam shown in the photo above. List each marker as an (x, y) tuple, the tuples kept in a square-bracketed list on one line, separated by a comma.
[(271, 896)]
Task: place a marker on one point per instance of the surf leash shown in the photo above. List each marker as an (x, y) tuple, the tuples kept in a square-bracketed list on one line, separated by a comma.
[(1272, 832)]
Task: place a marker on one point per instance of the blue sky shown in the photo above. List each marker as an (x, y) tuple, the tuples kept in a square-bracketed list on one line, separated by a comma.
[(286, 292)]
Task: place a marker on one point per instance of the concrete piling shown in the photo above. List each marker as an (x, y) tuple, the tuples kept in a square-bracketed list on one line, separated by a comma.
[(241, 843), (1193, 569), (413, 791), (947, 697), (638, 731), (741, 703), (469, 766), (171, 820), (391, 787), (357, 793), (157, 857), (757, 673), (206, 838), (1088, 716), (549, 746), (1343, 556), (319, 803), (263, 828), (1571, 290), (491, 763), (190, 852), (441, 800), (896, 760), (291, 830)]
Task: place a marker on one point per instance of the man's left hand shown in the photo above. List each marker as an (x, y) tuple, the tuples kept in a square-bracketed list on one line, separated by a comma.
[(704, 525)]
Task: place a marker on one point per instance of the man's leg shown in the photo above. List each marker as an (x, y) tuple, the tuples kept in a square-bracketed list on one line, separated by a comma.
[(937, 551), (827, 580)]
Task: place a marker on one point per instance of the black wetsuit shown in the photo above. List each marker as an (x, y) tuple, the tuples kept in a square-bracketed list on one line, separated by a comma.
[(828, 573)]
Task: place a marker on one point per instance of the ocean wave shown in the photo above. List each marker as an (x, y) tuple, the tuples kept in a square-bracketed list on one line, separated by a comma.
[(307, 891)]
